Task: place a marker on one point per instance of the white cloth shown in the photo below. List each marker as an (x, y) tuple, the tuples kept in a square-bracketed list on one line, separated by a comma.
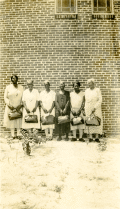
[(93, 99), (12, 96), (30, 98), (47, 99), (76, 102)]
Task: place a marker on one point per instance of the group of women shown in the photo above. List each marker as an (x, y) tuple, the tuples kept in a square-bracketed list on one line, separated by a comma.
[(47, 102)]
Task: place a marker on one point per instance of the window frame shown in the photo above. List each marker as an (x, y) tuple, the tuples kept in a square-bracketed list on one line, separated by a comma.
[(65, 13), (103, 13)]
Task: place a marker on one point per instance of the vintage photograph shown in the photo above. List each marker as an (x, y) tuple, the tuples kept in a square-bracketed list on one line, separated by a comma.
[(60, 104)]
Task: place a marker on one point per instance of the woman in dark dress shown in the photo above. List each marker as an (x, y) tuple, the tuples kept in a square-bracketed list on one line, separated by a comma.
[(62, 103)]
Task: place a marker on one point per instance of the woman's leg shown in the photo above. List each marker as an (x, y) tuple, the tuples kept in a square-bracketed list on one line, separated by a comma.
[(51, 132), (74, 133), (13, 132), (97, 138), (18, 132), (46, 132), (80, 133), (59, 138)]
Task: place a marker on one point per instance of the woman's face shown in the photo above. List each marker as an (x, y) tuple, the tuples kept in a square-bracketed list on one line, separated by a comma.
[(62, 86), (47, 87), (14, 80), (91, 85), (30, 86), (76, 87)]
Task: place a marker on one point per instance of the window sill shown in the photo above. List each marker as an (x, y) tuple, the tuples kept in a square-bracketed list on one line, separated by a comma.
[(103, 16), (66, 16)]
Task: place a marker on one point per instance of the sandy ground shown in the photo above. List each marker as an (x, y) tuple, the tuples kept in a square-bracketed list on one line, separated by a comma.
[(60, 175)]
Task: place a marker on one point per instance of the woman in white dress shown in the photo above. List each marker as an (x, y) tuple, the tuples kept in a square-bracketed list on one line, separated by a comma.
[(77, 105), (30, 102), (93, 101), (13, 100), (47, 101)]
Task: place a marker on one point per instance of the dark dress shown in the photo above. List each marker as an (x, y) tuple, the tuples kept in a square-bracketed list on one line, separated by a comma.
[(62, 101)]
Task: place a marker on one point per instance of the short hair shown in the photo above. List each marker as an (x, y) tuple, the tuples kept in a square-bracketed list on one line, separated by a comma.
[(77, 82), (46, 82), (29, 81), (62, 82), (15, 77), (91, 80)]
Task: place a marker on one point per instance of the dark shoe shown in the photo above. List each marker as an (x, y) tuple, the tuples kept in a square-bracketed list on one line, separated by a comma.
[(90, 140), (66, 139), (13, 137), (59, 139), (51, 138), (73, 139), (97, 140), (81, 140), (19, 137)]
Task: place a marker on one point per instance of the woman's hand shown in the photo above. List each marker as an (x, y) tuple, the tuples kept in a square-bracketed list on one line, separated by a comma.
[(11, 107), (50, 110), (74, 113), (61, 112), (78, 113), (93, 110), (45, 111), (34, 109), (27, 110), (64, 111), (18, 108)]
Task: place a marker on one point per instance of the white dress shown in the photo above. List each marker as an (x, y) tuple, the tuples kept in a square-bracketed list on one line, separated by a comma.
[(30, 98), (76, 102), (12, 96), (93, 99), (47, 99)]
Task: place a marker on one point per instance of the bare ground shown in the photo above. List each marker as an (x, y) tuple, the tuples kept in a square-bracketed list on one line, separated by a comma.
[(60, 175)]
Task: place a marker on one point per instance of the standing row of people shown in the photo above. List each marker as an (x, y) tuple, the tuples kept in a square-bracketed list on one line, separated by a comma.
[(74, 104)]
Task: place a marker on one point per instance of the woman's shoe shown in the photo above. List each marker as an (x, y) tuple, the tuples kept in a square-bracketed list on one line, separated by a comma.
[(97, 140), (81, 140), (73, 139), (59, 139), (19, 137), (50, 138), (90, 140), (66, 139), (13, 137)]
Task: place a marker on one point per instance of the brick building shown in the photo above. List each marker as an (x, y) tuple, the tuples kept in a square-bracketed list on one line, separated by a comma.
[(64, 40)]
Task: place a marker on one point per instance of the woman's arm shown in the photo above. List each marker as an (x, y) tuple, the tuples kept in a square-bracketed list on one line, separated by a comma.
[(53, 105), (57, 104), (36, 105), (41, 104), (99, 101), (25, 106), (82, 106), (71, 109), (7, 102)]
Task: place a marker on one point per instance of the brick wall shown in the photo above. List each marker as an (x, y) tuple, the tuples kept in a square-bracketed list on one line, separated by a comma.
[(36, 45)]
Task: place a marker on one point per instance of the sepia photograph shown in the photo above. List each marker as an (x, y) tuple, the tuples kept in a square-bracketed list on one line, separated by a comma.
[(60, 104)]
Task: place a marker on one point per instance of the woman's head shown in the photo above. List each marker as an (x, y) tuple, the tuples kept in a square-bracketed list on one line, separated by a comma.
[(62, 85), (30, 84), (47, 85), (14, 79), (91, 83), (76, 86)]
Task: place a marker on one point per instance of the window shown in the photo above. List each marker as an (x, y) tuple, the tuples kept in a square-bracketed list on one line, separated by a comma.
[(66, 6), (103, 6)]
